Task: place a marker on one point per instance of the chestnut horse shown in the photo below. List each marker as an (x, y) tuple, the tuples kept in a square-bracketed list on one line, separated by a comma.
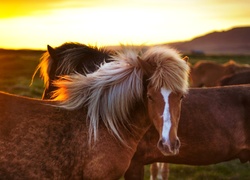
[(238, 78), (208, 73), (93, 125)]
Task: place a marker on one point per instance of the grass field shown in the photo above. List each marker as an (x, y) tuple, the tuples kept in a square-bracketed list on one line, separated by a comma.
[(17, 67)]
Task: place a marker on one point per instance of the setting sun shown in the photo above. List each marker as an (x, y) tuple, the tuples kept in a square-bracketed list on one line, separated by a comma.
[(26, 24)]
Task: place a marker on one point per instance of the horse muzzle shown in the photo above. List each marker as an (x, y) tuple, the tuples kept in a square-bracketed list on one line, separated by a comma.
[(167, 148)]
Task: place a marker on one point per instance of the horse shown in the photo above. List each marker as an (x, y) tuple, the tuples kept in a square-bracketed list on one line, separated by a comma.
[(237, 78), (76, 57), (208, 73), (93, 124), (200, 144), (213, 128)]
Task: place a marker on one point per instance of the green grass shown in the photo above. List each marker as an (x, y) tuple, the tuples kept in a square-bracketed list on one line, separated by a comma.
[(16, 70), (17, 67), (232, 170), (227, 170)]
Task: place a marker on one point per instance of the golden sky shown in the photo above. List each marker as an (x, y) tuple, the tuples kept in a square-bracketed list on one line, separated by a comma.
[(34, 24)]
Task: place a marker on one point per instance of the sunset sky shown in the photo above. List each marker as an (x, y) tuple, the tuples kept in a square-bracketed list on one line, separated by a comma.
[(34, 24)]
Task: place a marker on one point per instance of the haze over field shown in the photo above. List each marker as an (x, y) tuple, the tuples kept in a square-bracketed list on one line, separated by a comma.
[(34, 24)]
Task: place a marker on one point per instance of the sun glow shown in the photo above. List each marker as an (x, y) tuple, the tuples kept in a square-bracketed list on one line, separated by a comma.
[(105, 23)]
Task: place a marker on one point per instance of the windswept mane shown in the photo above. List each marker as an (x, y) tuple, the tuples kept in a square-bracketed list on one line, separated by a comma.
[(71, 58), (110, 92)]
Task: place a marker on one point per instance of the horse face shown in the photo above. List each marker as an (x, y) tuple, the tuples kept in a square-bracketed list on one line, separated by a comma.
[(164, 110)]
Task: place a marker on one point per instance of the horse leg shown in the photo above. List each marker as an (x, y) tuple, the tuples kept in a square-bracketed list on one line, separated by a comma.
[(153, 171), (135, 171), (165, 171)]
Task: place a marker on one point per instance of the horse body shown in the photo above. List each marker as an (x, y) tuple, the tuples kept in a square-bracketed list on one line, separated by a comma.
[(48, 142), (237, 78), (213, 128), (208, 73), (38, 140), (93, 125)]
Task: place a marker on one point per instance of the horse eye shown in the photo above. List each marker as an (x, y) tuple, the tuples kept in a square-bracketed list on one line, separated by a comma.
[(149, 97), (182, 97)]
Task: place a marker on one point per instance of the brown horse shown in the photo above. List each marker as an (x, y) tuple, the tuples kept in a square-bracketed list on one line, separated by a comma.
[(92, 128), (213, 128), (75, 56), (208, 73), (204, 129), (237, 78)]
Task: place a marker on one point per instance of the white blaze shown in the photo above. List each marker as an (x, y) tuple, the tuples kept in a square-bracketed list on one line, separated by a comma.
[(166, 116)]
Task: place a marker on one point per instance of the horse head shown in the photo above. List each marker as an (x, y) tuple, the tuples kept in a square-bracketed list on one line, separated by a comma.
[(167, 77), (66, 59)]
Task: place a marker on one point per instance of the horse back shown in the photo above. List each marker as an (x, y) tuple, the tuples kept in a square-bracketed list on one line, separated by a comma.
[(238, 78), (16, 110), (38, 140)]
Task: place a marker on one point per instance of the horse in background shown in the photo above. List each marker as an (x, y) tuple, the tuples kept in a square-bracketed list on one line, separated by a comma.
[(69, 58), (208, 73), (235, 79), (93, 125)]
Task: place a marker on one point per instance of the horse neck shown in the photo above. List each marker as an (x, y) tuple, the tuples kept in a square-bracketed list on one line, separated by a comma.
[(147, 147), (140, 124)]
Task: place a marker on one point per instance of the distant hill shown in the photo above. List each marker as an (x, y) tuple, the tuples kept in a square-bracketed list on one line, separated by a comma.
[(233, 41)]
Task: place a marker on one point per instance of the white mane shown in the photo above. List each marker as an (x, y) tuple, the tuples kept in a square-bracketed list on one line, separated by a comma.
[(108, 93)]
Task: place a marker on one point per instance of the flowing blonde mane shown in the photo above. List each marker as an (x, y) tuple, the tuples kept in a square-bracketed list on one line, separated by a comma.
[(110, 92)]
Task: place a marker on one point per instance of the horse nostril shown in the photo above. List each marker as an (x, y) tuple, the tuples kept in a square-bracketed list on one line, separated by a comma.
[(175, 147), (168, 148), (177, 144), (164, 147)]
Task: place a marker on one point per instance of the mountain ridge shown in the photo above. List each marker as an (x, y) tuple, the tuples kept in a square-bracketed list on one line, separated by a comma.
[(232, 41)]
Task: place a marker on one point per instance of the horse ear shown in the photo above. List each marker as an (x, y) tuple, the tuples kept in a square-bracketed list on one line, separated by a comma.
[(186, 58), (53, 63), (146, 67), (51, 52)]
